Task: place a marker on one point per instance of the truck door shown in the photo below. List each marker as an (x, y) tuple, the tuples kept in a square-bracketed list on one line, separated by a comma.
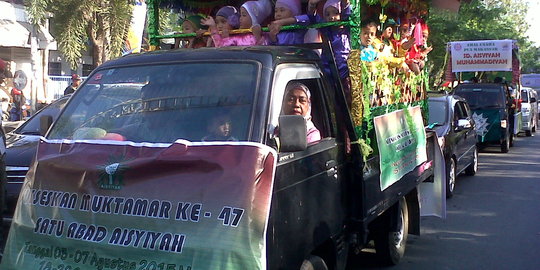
[(307, 211)]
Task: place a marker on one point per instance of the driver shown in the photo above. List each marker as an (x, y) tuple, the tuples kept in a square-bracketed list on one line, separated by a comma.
[(298, 102)]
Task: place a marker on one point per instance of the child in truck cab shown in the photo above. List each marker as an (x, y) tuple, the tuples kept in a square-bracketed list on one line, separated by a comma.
[(297, 101), (220, 129), (285, 13)]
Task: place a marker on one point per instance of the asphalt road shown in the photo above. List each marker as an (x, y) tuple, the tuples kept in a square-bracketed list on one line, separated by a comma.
[(493, 219)]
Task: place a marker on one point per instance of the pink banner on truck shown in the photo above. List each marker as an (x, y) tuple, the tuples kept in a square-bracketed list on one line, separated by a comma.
[(94, 205)]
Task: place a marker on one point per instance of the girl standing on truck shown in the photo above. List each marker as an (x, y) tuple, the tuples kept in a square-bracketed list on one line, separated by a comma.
[(227, 19), (192, 24), (251, 14), (333, 11), (285, 14)]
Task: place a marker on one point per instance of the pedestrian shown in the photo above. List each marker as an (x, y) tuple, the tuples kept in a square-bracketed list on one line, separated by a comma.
[(75, 82), (2, 71)]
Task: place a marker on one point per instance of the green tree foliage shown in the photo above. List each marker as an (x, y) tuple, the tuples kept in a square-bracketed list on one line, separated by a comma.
[(479, 20), (104, 23)]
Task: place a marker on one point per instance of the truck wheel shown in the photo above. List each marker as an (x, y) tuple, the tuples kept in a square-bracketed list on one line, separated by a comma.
[(450, 178), (473, 167), (505, 145), (390, 246), (528, 133), (314, 263), (512, 136)]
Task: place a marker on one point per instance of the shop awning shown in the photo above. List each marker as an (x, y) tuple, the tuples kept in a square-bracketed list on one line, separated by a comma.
[(17, 34)]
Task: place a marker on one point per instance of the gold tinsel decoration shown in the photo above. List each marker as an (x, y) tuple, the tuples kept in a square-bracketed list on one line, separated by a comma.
[(355, 73)]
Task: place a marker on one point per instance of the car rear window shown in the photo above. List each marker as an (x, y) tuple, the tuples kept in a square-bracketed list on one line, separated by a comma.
[(524, 97), (437, 112), (482, 97)]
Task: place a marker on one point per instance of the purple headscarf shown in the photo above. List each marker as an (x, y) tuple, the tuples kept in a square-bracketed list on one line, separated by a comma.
[(333, 3), (258, 10), (231, 14), (292, 5)]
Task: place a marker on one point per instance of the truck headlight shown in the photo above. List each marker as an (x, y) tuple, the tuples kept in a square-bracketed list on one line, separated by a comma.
[(503, 124)]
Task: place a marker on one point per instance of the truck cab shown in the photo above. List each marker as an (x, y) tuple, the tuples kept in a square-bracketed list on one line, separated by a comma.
[(325, 200)]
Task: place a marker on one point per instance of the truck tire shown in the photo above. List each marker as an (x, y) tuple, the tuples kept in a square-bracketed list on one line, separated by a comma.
[(473, 167), (450, 178), (389, 245), (505, 144), (512, 137), (528, 133), (314, 263)]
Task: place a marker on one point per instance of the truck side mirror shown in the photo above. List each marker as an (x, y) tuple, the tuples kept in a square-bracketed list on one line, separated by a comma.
[(533, 100), (45, 123), (292, 133)]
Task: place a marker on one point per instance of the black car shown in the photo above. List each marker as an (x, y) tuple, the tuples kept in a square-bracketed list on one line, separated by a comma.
[(493, 111), (452, 119), (21, 148)]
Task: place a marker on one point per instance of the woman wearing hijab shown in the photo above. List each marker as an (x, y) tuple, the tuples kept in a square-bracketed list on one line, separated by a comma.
[(298, 102)]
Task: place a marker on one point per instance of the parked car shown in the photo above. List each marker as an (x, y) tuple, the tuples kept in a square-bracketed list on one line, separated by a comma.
[(452, 120), (529, 110), (493, 112), (21, 147)]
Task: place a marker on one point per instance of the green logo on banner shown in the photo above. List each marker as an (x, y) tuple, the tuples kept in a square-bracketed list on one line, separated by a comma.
[(112, 176)]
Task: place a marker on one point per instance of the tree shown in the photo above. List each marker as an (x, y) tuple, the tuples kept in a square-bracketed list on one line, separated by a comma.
[(480, 20), (102, 24)]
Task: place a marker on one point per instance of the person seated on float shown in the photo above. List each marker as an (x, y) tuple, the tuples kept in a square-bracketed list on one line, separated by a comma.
[(285, 13), (416, 56), (387, 47), (192, 24), (368, 35)]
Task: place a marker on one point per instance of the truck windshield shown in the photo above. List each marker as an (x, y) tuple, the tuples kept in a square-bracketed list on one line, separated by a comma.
[(482, 97), (162, 103)]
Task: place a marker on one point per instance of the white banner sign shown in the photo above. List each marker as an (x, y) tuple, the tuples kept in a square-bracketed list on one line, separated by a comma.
[(481, 55)]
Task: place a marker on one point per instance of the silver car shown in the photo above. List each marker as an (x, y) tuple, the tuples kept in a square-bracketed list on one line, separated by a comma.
[(529, 110)]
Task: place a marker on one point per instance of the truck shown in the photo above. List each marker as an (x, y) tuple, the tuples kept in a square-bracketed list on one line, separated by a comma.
[(184, 159)]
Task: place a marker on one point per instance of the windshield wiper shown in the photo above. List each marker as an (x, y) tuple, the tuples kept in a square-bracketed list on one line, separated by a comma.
[(30, 133)]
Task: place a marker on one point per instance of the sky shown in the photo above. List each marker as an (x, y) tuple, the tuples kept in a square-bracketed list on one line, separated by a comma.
[(534, 21)]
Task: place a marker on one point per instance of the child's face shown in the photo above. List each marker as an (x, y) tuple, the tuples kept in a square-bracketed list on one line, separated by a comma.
[(187, 27), (245, 19), (425, 34), (331, 14), (387, 33), (223, 128), (404, 30), (282, 13), (222, 24), (368, 34)]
